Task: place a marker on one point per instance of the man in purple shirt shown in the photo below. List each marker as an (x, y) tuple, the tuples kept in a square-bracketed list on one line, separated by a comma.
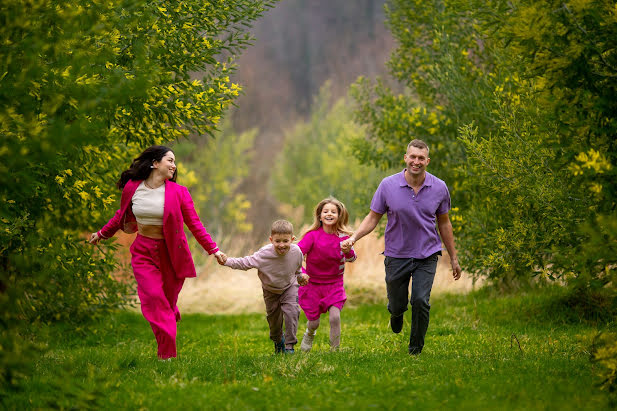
[(413, 200)]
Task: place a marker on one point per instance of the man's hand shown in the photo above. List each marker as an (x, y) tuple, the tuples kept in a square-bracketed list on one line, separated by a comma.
[(347, 244), (221, 258), (456, 269), (303, 279), (366, 226)]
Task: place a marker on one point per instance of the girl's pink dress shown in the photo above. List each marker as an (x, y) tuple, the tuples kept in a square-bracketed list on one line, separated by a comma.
[(325, 265)]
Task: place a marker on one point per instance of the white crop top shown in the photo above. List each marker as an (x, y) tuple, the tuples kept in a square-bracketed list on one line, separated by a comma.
[(148, 204)]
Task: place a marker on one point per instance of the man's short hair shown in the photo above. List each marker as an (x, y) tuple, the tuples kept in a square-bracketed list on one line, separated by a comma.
[(282, 227), (418, 144)]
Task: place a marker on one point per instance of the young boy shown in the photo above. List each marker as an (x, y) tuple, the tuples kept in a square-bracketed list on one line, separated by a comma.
[(279, 268)]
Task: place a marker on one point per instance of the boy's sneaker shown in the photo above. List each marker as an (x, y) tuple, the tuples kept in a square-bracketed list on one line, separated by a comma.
[(279, 347), (396, 323), (289, 351), (307, 341)]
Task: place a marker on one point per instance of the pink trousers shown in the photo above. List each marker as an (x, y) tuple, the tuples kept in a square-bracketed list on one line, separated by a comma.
[(158, 289)]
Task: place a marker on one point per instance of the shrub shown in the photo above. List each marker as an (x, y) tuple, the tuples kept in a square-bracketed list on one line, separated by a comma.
[(605, 354), (517, 102), (84, 86)]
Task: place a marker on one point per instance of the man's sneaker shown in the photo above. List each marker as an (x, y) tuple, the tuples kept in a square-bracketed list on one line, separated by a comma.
[(396, 322), (414, 351), (279, 347), (289, 351), (307, 341)]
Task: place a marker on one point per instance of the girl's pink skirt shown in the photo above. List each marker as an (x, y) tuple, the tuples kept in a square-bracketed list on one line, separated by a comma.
[(315, 299)]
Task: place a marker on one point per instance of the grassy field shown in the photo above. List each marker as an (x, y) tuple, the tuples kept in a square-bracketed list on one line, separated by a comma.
[(472, 360)]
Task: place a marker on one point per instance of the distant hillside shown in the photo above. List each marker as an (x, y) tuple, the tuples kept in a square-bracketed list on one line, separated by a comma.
[(301, 44)]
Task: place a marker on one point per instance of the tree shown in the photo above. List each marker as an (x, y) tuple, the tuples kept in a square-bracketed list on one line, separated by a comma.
[(85, 86), (555, 139), (213, 169), (518, 99), (316, 162)]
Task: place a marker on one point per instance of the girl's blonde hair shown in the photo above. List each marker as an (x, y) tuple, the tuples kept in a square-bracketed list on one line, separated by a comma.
[(343, 216)]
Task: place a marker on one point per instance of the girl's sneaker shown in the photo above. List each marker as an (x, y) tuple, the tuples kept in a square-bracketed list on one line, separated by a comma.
[(307, 341)]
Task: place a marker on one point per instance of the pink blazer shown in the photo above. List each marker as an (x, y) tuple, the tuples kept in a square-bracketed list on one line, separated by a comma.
[(178, 209)]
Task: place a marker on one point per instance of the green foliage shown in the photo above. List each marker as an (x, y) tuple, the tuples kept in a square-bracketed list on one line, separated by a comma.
[(605, 354), (553, 139), (316, 162), (514, 218), (79, 80), (16, 353), (84, 87), (213, 170), (522, 96), (471, 361), (441, 85)]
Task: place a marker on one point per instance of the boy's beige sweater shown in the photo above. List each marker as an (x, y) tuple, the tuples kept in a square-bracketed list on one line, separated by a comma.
[(276, 272)]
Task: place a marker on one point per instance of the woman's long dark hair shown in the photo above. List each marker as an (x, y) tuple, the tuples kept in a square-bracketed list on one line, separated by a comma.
[(140, 168)]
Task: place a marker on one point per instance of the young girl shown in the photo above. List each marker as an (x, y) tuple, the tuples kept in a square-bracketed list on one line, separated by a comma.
[(325, 264)]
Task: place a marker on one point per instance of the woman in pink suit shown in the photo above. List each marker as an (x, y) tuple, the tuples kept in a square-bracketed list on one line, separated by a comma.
[(157, 208)]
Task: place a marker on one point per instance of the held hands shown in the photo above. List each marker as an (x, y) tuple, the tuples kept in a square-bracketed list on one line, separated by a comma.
[(221, 257), (347, 244), (303, 279), (456, 268), (94, 238)]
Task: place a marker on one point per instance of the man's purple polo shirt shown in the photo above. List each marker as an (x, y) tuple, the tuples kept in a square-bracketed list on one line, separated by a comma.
[(411, 231)]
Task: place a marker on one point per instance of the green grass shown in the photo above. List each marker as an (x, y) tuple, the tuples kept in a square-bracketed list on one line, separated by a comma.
[(471, 360)]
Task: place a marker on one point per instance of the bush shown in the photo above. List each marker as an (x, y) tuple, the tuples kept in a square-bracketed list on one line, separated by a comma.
[(517, 102), (605, 354), (85, 86)]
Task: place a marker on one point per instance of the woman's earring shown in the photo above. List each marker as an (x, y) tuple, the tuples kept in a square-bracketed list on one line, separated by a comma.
[(151, 166)]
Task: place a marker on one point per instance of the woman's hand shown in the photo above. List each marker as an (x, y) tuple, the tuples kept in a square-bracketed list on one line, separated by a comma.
[(221, 258), (94, 238)]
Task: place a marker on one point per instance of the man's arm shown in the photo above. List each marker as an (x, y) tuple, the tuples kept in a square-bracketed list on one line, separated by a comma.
[(366, 226), (447, 236)]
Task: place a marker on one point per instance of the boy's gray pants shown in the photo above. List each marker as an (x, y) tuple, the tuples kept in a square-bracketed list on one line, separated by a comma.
[(283, 307)]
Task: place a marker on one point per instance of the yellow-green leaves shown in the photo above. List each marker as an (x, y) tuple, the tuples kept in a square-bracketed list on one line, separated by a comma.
[(592, 160), (213, 170), (85, 86), (517, 101)]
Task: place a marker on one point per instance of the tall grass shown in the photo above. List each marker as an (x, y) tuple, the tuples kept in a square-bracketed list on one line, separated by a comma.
[(221, 290)]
